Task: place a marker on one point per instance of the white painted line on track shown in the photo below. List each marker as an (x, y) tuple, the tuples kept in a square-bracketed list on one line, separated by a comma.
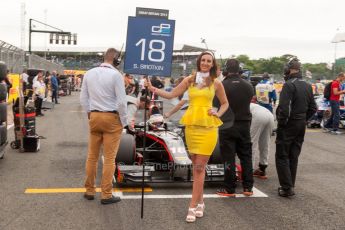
[(257, 193)]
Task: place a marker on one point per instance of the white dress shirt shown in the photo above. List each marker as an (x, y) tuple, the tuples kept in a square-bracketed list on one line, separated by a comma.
[(103, 89)]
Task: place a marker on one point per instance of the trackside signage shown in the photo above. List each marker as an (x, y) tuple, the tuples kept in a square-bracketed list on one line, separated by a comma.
[(149, 46), (148, 12)]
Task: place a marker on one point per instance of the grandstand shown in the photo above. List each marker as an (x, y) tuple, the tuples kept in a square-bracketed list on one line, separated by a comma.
[(78, 58)]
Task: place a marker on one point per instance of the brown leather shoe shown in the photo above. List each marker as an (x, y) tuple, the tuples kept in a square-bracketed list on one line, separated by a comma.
[(89, 197), (111, 200)]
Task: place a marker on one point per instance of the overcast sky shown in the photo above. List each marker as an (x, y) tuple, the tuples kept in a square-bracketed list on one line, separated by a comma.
[(258, 28)]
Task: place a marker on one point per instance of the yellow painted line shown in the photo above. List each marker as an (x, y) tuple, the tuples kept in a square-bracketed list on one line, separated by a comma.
[(79, 190), (314, 130)]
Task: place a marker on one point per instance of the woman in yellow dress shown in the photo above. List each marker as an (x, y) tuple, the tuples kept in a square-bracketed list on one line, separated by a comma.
[(201, 122)]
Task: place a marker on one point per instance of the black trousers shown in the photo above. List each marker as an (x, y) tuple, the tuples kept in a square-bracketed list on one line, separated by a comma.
[(38, 105), (54, 95), (237, 140), (288, 148)]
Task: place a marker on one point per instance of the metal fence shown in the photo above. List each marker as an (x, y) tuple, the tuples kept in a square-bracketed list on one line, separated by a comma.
[(37, 62), (16, 60), (12, 56)]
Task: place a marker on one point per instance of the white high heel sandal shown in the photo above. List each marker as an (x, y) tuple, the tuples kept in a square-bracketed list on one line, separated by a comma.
[(191, 216), (199, 212)]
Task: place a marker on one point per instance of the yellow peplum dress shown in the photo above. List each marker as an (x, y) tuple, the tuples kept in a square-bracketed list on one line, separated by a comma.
[(201, 129)]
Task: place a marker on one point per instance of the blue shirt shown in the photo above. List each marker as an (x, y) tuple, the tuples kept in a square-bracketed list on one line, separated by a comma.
[(54, 82), (103, 89)]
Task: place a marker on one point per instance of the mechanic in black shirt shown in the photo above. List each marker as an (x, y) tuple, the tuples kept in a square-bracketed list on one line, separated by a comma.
[(296, 106), (234, 134)]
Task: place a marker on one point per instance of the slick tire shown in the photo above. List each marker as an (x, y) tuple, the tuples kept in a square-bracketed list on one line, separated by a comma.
[(126, 153)]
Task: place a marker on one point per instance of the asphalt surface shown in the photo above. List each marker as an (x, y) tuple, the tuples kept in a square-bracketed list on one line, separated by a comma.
[(319, 202)]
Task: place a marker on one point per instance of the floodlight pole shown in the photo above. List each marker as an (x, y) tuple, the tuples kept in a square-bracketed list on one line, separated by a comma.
[(55, 31), (335, 58)]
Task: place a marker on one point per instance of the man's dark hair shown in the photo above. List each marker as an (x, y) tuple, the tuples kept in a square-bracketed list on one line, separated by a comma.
[(294, 64), (232, 66)]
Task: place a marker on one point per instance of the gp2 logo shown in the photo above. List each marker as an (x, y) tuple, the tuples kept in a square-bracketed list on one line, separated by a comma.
[(161, 29)]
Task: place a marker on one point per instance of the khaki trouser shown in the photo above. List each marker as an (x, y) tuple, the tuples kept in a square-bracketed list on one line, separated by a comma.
[(106, 129)]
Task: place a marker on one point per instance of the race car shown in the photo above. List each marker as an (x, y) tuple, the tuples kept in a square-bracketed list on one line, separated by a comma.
[(165, 159)]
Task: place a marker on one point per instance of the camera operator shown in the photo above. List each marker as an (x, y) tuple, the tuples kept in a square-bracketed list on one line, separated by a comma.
[(296, 106)]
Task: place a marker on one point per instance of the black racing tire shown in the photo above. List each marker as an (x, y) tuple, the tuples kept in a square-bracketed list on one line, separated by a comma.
[(3, 112), (3, 133), (3, 71), (216, 157), (126, 153)]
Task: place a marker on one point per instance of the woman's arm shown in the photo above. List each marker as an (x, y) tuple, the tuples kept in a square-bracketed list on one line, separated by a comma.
[(177, 91), (220, 93)]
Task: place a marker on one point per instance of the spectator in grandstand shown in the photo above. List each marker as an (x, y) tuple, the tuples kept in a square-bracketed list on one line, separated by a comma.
[(265, 93), (201, 122), (333, 123), (103, 97), (54, 87), (39, 89), (260, 131)]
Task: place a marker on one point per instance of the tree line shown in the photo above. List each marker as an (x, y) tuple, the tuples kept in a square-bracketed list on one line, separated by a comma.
[(275, 66)]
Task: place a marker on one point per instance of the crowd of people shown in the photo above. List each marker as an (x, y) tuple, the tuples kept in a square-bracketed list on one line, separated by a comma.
[(40, 87), (216, 106), (46, 86)]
